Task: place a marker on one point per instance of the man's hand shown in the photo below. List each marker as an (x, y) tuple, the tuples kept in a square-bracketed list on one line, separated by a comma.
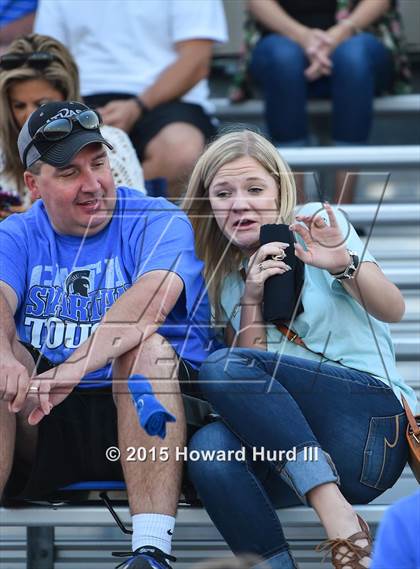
[(54, 386), (14, 380), (121, 114)]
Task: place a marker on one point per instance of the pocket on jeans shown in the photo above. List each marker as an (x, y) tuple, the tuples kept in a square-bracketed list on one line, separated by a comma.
[(385, 452)]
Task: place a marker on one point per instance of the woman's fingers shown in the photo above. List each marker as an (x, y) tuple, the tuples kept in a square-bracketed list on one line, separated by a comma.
[(302, 231), (309, 219), (319, 222), (271, 264), (323, 36), (273, 249), (273, 271), (331, 215), (306, 219), (324, 60), (313, 72)]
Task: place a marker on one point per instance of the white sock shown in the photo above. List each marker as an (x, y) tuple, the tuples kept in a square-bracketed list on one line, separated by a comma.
[(153, 529)]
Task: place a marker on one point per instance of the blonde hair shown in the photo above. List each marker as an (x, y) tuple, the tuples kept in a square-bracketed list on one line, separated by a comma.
[(219, 255), (61, 73)]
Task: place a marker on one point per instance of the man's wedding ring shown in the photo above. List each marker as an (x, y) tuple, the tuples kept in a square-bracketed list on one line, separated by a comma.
[(34, 389)]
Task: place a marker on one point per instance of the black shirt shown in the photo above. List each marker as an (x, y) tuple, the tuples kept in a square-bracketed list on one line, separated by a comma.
[(311, 13)]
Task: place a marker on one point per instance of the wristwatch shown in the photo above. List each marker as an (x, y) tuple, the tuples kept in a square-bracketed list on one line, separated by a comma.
[(350, 271)]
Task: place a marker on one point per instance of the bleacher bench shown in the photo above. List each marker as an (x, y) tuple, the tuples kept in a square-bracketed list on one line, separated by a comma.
[(51, 539), (388, 105)]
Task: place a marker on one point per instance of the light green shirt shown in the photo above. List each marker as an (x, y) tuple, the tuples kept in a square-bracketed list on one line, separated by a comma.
[(332, 323)]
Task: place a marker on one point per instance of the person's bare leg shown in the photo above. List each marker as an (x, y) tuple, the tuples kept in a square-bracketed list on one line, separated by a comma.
[(153, 486), (24, 442), (336, 514), (345, 183), (172, 154)]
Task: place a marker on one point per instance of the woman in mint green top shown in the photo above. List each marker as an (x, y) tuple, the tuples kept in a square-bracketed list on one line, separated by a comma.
[(357, 340), (335, 396)]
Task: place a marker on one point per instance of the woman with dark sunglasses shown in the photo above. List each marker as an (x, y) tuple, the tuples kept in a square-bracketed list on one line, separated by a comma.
[(34, 70)]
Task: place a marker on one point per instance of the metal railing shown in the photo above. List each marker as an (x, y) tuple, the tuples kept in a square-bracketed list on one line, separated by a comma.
[(368, 157)]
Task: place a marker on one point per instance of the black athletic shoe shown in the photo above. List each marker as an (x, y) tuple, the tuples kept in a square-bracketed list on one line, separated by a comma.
[(146, 557)]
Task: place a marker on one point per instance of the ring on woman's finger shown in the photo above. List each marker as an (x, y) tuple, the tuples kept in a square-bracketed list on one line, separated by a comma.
[(33, 389), (260, 267), (279, 257)]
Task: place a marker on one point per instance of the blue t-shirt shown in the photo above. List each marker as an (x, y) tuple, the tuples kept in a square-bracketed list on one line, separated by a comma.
[(10, 10), (65, 284), (397, 543)]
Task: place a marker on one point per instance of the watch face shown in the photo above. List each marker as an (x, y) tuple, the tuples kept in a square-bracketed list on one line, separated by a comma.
[(352, 268)]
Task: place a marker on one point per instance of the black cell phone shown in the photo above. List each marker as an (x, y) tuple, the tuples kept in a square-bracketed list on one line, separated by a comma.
[(281, 292)]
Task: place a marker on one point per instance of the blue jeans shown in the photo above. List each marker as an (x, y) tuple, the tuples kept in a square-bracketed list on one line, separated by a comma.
[(362, 67), (349, 424)]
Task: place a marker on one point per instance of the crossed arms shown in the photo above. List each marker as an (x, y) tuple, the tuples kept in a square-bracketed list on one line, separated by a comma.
[(134, 317)]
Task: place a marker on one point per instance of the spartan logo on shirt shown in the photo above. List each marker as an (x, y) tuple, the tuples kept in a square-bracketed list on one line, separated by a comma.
[(78, 282), (63, 308)]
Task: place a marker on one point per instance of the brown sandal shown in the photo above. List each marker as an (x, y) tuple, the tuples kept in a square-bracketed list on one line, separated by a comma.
[(351, 558)]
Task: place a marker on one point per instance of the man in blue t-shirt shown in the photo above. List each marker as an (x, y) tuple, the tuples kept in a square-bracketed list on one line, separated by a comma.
[(96, 284)]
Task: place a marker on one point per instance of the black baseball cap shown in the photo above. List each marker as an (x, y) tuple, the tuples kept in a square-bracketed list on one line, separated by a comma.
[(57, 153)]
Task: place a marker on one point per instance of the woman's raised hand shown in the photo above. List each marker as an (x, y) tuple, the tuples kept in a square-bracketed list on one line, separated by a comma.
[(266, 262), (325, 244)]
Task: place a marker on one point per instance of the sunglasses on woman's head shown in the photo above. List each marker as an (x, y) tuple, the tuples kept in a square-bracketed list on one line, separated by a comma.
[(36, 60)]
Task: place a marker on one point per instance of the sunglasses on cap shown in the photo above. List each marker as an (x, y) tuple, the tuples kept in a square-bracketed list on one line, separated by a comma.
[(59, 128), (37, 60)]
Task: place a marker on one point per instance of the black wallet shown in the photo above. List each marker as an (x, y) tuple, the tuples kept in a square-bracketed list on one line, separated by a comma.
[(281, 292)]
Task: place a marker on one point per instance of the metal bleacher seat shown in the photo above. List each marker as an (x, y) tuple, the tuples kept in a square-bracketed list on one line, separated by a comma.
[(395, 156), (251, 109)]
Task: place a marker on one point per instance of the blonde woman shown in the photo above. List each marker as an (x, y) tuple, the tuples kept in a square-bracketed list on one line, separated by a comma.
[(318, 420), (34, 70)]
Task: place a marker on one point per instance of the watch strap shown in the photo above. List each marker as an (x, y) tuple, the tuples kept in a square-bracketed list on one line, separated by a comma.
[(350, 271)]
